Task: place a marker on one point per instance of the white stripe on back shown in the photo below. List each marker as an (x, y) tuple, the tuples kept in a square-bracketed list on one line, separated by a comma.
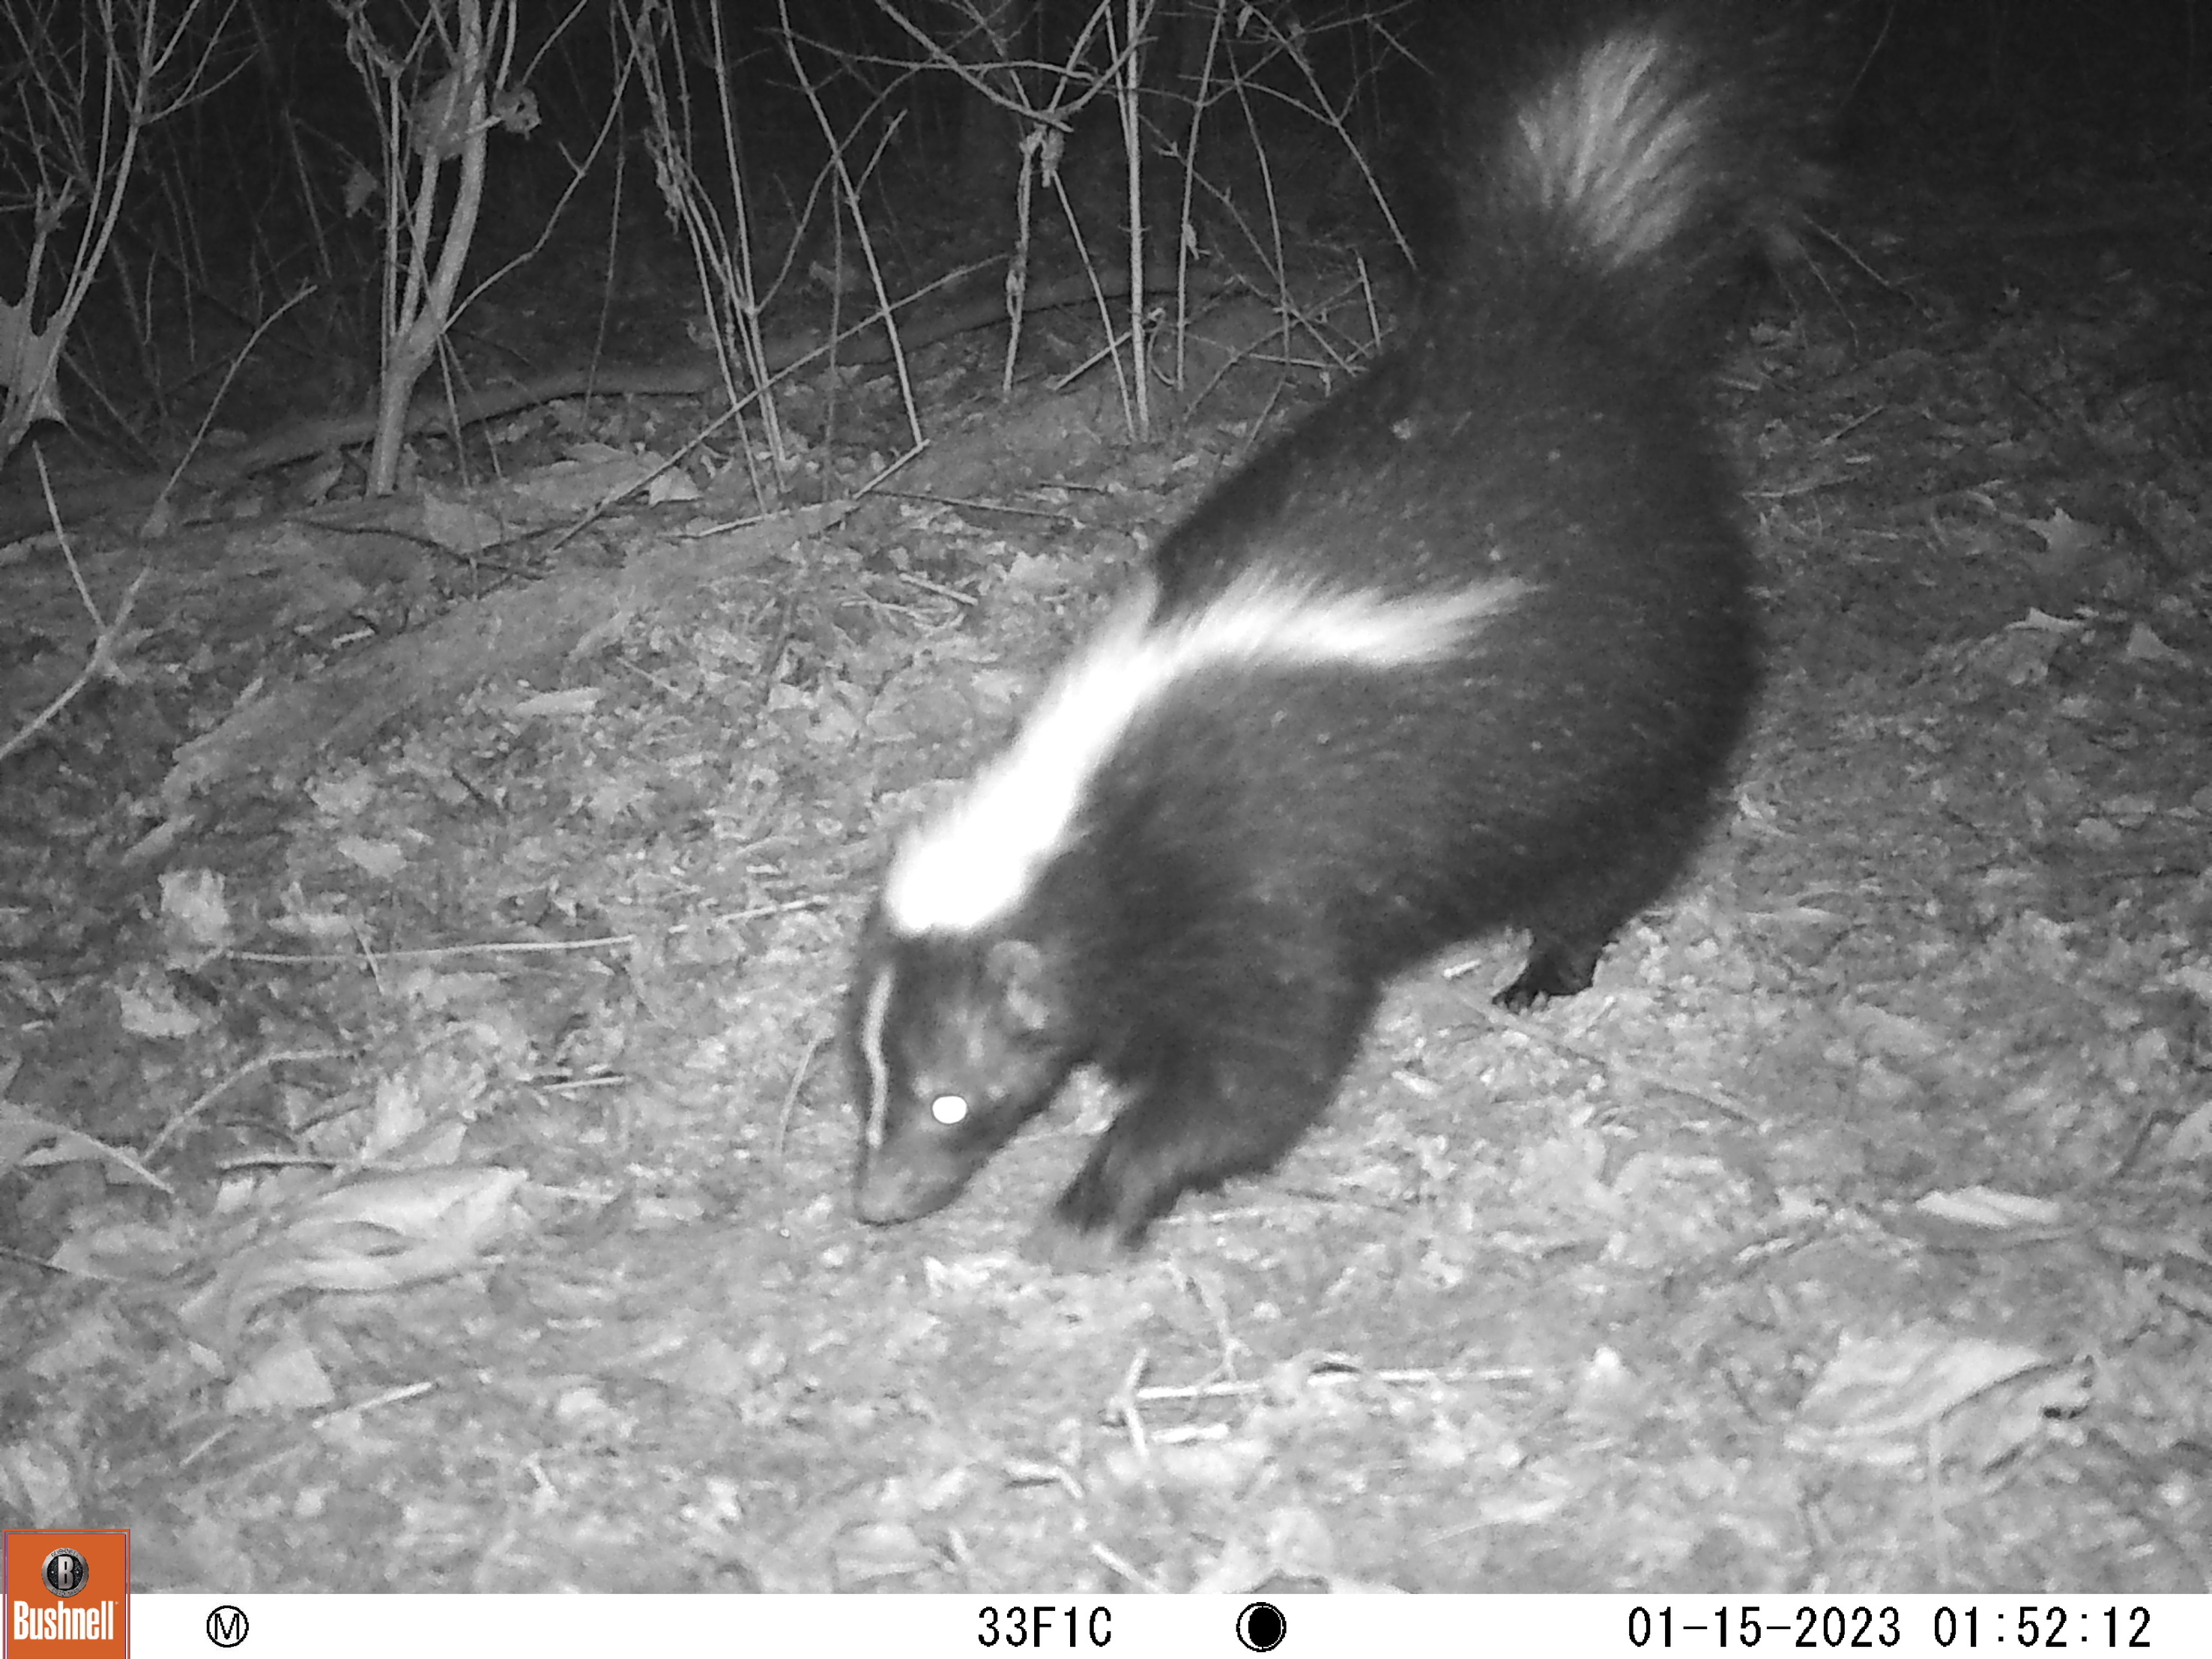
[(973, 863)]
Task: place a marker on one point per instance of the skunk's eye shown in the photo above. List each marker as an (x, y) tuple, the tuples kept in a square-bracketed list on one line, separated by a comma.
[(949, 1109)]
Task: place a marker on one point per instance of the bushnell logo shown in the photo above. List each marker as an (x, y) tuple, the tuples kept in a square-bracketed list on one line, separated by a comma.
[(66, 1573)]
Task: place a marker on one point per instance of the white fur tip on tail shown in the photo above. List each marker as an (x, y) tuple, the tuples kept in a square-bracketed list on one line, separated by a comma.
[(1616, 147)]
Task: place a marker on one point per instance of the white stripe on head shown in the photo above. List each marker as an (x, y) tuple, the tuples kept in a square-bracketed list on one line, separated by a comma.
[(874, 1012), (973, 863), (1613, 145)]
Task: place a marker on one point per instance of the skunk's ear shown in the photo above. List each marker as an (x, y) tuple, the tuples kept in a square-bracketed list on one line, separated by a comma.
[(1018, 971)]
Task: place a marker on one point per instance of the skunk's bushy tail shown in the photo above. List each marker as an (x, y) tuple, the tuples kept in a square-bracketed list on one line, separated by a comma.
[(1651, 146)]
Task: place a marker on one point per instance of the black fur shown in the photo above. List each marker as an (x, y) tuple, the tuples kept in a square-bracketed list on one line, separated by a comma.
[(1266, 849)]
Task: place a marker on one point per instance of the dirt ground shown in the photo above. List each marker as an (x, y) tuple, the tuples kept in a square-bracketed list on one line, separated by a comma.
[(424, 1152)]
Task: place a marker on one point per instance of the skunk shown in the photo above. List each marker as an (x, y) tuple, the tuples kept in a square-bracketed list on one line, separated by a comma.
[(1468, 648)]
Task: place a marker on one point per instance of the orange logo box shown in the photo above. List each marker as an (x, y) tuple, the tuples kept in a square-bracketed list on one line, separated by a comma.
[(67, 1595)]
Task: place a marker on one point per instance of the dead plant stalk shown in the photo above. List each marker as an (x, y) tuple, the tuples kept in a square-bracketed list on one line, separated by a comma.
[(81, 145)]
